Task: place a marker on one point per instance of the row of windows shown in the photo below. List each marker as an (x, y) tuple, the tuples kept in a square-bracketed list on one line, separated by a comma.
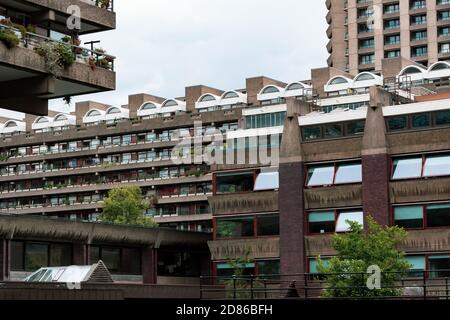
[(431, 266), (122, 140), (345, 106), (226, 270), (247, 227), (333, 220), (417, 121), (333, 130), (421, 166), (334, 173), (265, 120)]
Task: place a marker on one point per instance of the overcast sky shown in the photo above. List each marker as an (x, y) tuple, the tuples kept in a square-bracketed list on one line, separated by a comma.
[(162, 46)]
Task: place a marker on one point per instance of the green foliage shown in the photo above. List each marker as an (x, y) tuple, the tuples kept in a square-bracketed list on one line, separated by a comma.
[(125, 205), (9, 38), (356, 251), (57, 55)]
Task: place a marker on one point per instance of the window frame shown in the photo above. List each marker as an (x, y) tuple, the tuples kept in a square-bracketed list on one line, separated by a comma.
[(254, 218), (424, 207), (336, 165), (336, 211)]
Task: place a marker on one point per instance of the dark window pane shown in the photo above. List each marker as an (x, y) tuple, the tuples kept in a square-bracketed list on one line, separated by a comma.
[(17, 256), (311, 133), (439, 266), (442, 118), (333, 130), (234, 182), (131, 261), (111, 258), (269, 267), (397, 123), (94, 254), (268, 225), (420, 120), (60, 255), (234, 227), (438, 215), (356, 127), (36, 256)]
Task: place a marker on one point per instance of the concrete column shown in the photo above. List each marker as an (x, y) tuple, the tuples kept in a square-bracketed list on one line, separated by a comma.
[(405, 30), (375, 159), (290, 201), (432, 34), (5, 260), (149, 265)]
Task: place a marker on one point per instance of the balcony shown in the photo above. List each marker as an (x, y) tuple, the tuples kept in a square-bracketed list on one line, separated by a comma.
[(96, 15), (28, 78)]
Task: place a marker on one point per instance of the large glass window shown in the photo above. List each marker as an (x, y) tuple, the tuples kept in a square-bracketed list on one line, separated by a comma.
[(417, 265), (235, 227), (422, 216), (397, 123), (267, 181), (442, 118), (111, 258), (268, 267), (234, 182), (17, 256), (407, 168)]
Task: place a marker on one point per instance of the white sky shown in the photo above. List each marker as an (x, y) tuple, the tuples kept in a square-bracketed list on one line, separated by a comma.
[(162, 46)]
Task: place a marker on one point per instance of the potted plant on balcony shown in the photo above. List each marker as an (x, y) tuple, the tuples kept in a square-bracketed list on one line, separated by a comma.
[(104, 4)]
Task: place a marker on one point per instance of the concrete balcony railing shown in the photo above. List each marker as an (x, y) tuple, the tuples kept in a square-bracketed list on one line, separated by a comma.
[(266, 201), (333, 197)]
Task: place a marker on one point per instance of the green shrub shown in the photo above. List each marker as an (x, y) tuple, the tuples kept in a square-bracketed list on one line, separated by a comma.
[(9, 38)]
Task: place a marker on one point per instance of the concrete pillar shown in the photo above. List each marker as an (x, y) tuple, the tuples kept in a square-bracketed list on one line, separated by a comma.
[(290, 201), (149, 265), (5, 260), (375, 159)]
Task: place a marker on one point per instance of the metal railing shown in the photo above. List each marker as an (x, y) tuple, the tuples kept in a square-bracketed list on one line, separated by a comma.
[(411, 285)]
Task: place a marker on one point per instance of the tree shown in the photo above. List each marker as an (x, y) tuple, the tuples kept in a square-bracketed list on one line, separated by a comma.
[(346, 274), (125, 205)]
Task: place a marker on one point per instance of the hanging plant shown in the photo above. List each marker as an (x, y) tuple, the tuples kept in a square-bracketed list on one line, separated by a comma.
[(67, 100), (92, 62), (104, 4)]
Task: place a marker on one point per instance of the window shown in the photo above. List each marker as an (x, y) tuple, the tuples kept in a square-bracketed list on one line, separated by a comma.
[(367, 43), (333, 220), (295, 86), (367, 59), (348, 173), (437, 165), (418, 35), (439, 266), (230, 95), (444, 15), (268, 267), (333, 130), (36, 256), (397, 123), (313, 264), (42, 120), (417, 265), (407, 168), (420, 120), (392, 24), (93, 113), (60, 255), (422, 216), (235, 227), (392, 54), (321, 222), (355, 127), (170, 103), (17, 256), (268, 225), (395, 39), (226, 270), (111, 258), (409, 217), (419, 19), (444, 31), (330, 174), (342, 224), (418, 4), (131, 261), (267, 181), (311, 133), (419, 51), (113, 111), (391, 8), (442, 118), (207, 97), (270, 89), (338, 80), (234, 182), (438, 215), (148, 106), (265, 120)]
